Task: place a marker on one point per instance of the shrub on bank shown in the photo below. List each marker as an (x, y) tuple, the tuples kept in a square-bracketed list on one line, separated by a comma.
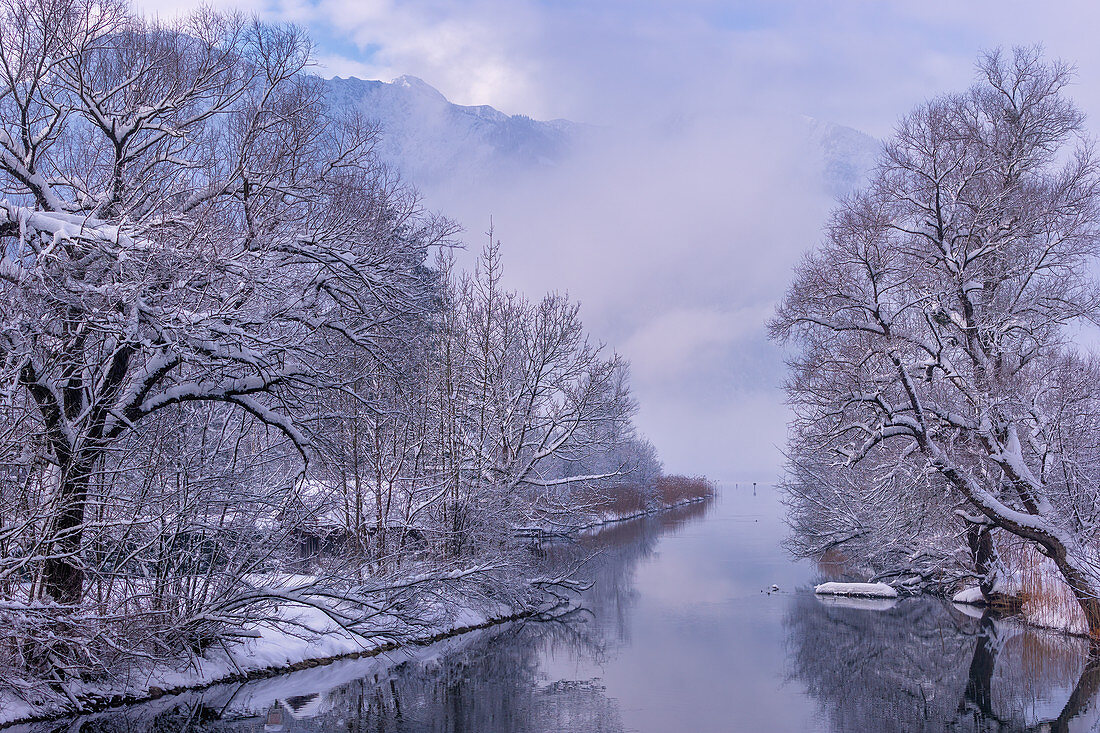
[(674, 489), (624, 499)]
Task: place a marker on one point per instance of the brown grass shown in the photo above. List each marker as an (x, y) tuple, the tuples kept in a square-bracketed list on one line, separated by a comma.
[(624, 499), (674, 489), (1045, 595), (833, 564)]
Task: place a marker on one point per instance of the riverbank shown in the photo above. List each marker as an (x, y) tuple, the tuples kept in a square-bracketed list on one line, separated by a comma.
[(615, 519), (1051, 612), (627, 501), (549, 531), (307, 638), (1028, 588), (1054, 612), (624, 502)]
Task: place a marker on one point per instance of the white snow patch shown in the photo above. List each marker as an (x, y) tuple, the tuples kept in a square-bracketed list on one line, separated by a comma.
[(972, 596), (864, 590)]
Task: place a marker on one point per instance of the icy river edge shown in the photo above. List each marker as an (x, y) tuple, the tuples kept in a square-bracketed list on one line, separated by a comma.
[(278, 652)]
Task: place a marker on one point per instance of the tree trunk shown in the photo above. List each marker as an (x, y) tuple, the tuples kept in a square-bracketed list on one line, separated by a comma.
[(1090, 604), (63, 572), (984, 555)]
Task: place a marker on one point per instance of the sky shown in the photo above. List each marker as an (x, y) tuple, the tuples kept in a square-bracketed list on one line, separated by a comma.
[(678, 237)]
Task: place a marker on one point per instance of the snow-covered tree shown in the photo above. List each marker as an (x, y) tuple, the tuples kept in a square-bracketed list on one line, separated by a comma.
[(183, 221), (930, 325), (521, 389)]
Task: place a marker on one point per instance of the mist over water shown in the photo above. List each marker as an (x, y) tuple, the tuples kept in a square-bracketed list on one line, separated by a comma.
[(673, 241)]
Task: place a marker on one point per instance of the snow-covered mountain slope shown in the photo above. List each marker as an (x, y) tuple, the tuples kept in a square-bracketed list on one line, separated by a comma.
[(439, 145), (847, 155), (434, 142)]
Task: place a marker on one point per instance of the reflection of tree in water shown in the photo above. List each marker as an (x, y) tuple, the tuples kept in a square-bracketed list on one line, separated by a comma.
[(923, 666), (185, 713), (611, 558), (496, 686), (486, 682), (491, 687)]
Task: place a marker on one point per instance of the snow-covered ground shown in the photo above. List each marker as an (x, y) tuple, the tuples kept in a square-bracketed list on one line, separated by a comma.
[(300, 636), (304, 636), (309, 689)]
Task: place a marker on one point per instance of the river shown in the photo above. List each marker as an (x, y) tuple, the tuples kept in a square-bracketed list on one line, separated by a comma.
[(681, 631)]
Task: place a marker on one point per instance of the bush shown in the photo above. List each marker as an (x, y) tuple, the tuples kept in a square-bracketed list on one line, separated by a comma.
[(673, 489), (624, 499)]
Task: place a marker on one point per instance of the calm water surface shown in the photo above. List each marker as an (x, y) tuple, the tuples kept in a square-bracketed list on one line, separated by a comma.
[(680, 632)]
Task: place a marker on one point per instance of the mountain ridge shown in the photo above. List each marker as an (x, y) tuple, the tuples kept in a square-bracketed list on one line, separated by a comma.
[(434, 142)]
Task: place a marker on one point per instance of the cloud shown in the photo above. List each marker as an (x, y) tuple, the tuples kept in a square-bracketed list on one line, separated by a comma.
[(678, 343), (677, 237), (857, 62), (472, 51), (331, 65)]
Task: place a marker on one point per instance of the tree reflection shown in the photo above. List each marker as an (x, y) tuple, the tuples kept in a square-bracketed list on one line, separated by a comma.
[(491, 686), (924, 665)]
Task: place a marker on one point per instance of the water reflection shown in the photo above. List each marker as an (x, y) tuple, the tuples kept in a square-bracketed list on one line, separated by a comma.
[(486, 686), (679, 633), (925, 665)]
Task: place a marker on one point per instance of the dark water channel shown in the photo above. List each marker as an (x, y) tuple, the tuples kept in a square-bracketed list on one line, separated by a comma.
[(680, 634)]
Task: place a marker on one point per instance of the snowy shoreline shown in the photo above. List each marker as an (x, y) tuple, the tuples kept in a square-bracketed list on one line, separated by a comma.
[(277, 656), (335, 647), (969, 600), (549, 532), (1060, 619)]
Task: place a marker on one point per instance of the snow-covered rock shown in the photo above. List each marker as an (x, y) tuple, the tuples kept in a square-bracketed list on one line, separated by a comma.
[(971, 596), (863, 590)]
